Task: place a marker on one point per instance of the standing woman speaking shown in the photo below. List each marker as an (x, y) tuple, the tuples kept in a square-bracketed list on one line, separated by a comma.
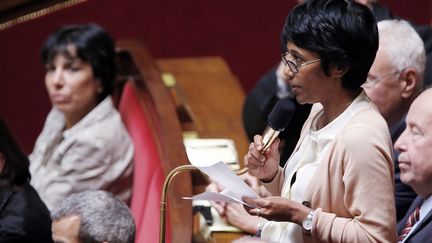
[(337, 186)]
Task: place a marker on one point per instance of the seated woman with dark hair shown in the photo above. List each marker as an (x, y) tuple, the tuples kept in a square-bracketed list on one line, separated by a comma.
[(84, 144), (23, 215)]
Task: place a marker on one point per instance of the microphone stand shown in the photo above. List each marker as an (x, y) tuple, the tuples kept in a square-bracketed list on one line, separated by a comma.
[(168, 179), (163, 207)]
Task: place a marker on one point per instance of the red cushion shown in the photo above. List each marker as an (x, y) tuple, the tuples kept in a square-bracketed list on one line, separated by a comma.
[(148, 172)]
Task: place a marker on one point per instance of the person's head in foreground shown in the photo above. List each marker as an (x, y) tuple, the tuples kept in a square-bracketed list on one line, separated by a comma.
[(92, 217)]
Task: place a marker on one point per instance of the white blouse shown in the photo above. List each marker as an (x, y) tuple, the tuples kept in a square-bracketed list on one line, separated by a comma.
[(302, 164)]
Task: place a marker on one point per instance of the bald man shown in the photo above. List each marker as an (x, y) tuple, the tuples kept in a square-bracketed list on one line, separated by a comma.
[(415, 163)]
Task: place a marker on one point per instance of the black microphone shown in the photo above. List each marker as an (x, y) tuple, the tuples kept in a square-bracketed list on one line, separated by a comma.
[(277, 121)]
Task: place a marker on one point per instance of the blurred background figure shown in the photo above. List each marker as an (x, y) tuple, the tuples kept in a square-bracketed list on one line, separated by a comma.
[(381, 12), (84, 144), (415, 163), (23, 215), (394, 81), (92, 216)]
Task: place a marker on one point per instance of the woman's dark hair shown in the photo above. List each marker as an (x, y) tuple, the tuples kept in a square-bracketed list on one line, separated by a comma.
[(343, 33), (16, 169), (93, 45)]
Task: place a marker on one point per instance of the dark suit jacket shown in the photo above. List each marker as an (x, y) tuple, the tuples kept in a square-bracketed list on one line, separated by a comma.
[(24, 217), (423, 232)]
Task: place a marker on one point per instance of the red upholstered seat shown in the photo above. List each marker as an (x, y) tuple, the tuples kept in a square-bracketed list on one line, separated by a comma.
[(148, 172)]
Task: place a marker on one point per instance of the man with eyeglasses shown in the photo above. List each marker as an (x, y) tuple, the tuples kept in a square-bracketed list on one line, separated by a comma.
[(394, 81), (382, 12)]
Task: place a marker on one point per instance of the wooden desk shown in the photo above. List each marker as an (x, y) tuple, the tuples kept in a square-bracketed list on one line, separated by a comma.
[(213, 99)]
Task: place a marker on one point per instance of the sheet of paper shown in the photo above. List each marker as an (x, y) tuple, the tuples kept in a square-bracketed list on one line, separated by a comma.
[(223, 196), (235, 187), (207, 151)]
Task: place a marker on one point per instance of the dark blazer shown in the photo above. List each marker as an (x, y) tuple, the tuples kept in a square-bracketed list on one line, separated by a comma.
[(423, 232), (24, 217)]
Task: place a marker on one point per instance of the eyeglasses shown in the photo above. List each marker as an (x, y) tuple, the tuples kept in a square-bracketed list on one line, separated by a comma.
[(294, 67), (374, 81)]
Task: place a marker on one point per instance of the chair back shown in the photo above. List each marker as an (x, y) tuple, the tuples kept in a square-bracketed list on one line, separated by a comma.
[(149, 114)]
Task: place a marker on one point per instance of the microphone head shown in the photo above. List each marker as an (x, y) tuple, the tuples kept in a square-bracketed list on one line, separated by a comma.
[(281, 115)]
